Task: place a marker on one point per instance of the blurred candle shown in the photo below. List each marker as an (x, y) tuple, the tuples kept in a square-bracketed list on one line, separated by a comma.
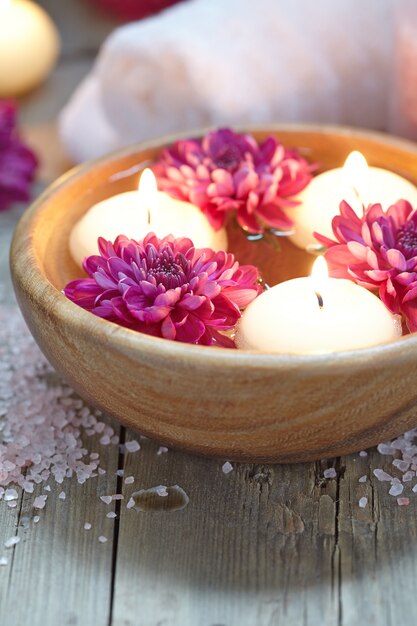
[(315, 315), (29, 46), (355, 182), (136, 213)]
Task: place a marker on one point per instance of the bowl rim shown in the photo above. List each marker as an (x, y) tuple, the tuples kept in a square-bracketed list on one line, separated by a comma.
[(401, 349)]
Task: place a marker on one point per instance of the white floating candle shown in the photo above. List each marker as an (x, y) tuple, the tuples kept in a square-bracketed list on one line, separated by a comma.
[(315, 315), (136, 213), (355, 182), (29, 46)]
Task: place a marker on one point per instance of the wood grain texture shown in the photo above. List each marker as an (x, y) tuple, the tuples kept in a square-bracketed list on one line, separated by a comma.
[(240, 405)]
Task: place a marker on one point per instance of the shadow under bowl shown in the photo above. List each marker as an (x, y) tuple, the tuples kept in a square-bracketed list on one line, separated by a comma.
[(232, 404)]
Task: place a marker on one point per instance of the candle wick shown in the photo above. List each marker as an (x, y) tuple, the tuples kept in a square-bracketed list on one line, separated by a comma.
[(319, 299), (357, 194), (149, 216)]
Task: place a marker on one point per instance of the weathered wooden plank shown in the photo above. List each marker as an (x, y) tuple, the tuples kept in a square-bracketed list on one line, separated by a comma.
[(61, 571), (253, 547)]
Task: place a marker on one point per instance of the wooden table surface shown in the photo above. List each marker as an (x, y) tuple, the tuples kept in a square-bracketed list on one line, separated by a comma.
[(261, 546)]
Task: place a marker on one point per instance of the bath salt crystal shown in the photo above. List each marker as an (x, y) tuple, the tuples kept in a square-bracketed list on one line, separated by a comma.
[(12, 541), (403, 501), (101, 471), (385, 448), (407, 476), (120, 472), (39, 502), (382, 476), (130, 504), (161, 490), (129, 480), (227, 468), (363, 502), (36, 519), (10, 494), (396, 489), (117, 496), (106, 499), (132, 446), (162, 450), (401, 465), (12, 505), (105, 440), (111, 515), (363, 453), (363, 479), (3, 561), (330, 473), (102, 539), (62, 495), (94, 456), (87, 526)]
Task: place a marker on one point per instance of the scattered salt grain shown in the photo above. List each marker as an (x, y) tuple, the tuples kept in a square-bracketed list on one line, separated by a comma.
[(120, 473), (407, 476), (36, 519), (162, 450), (415, 488), (363, 502), (111, 515), (227, 468), (129, 480), (403, 501), (12, 504), (47, 488), (161, 490), (117, 496), (382, 476), (94, 456), (101, 471), (102, 539), (62, 495), (132, 446), (130, 504), (12, 541), (40, 502), (10, 494), (363, 453), (3, 561), (330, 473), (106, 499), (87, 526), (363, 479), (105, 440), (396, 489)]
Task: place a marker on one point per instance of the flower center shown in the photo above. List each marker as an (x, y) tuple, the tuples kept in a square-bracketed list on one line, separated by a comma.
[(169, 271), (228, 157), (407, 239)]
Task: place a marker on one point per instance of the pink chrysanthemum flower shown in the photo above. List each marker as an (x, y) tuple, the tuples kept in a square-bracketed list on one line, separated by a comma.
[(226, 171), (379, 252), (166, 288), (17, 162)]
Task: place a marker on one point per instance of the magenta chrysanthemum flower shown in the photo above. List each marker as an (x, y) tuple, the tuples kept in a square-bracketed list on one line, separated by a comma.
[(166, 288), (379, 252), (226, 171), (17, 162)]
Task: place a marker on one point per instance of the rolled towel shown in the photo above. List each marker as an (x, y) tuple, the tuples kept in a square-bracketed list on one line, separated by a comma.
[(236, 62)]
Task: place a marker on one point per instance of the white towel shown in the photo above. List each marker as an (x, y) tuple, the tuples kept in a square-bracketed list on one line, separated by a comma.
[(232, 62)]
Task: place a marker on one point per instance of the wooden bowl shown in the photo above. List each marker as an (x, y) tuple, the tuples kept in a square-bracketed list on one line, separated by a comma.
[(213, 401)]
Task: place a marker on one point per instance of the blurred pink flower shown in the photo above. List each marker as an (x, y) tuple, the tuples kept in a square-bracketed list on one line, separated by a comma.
[(17, 162), (225, 171), (378, 251), (166, 288)]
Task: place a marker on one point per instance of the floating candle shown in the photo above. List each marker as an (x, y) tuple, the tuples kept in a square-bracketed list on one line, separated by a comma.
[(29, 46), (355, 182), (315, 315), (135, 214)]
